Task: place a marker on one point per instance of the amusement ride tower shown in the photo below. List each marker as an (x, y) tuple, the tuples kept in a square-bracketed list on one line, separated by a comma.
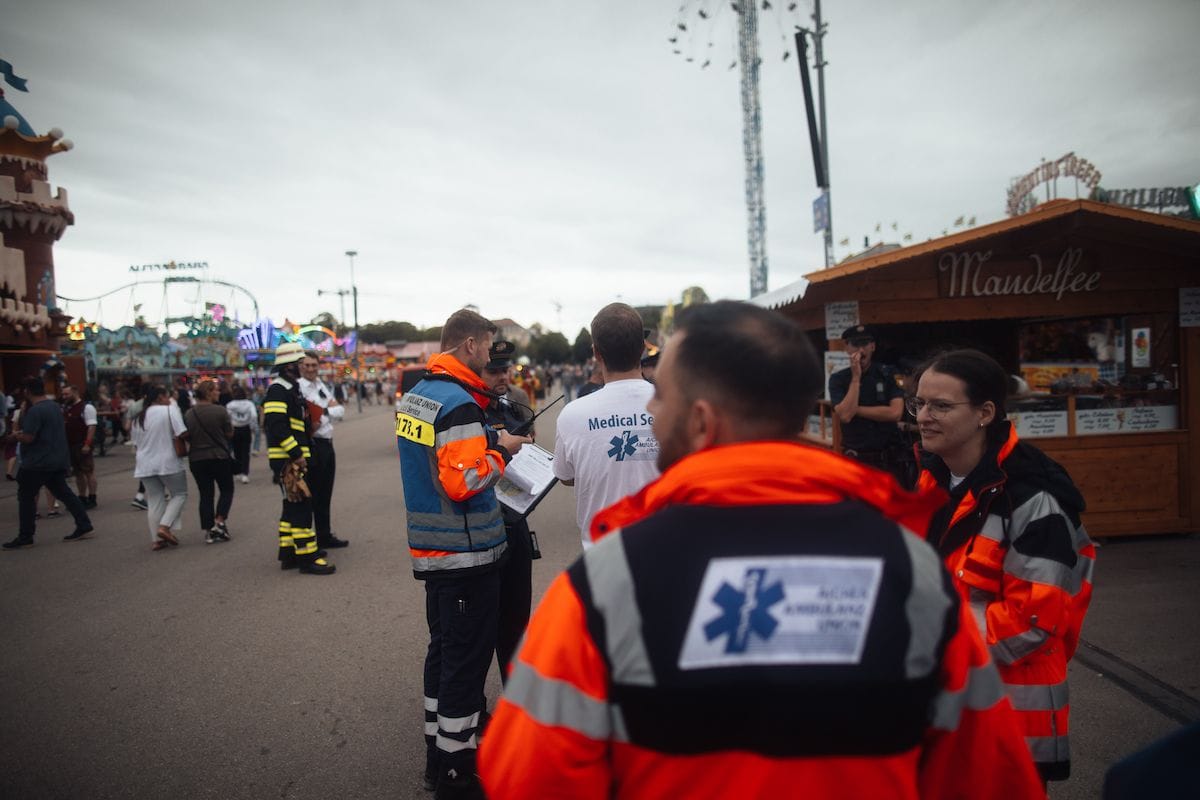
[(32, 219)]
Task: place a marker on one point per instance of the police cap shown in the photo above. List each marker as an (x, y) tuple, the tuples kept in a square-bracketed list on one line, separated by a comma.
[(858, 334), (501, 355)]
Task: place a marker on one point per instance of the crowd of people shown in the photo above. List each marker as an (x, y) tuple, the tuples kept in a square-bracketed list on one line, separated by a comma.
[(919, 622)]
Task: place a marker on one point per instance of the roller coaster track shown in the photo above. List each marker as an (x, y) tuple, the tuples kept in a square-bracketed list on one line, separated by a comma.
[(165, 282)]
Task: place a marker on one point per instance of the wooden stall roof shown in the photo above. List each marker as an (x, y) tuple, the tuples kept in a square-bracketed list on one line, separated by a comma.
[(1048, 211)]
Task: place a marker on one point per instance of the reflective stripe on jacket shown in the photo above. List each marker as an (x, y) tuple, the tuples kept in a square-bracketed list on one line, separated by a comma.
[(1019, 555), (286, 421), (454, 521), (638, 678)]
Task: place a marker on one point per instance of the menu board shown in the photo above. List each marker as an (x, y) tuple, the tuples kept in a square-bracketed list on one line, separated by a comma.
[(1133, 419), (1039, 424), (834, 360), (839, 316), (1189, 307)]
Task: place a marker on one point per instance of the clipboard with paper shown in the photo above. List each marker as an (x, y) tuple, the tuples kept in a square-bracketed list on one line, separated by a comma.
[(527, 479)]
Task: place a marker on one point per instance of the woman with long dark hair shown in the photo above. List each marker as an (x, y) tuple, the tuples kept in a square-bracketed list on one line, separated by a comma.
[(159, 435), (1012, 539), (209, 432)]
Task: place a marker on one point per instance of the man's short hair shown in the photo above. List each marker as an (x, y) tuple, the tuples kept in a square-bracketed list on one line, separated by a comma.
[(758, 364), (617, 336), (462, 325), (34, 386)]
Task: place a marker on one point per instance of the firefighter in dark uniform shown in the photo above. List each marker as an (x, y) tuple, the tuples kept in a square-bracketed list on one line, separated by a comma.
[(516, 574), (868, 403), (288, 448)]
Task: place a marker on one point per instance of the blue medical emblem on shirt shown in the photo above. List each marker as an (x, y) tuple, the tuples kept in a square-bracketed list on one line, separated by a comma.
[(623, 445), (745, 611)]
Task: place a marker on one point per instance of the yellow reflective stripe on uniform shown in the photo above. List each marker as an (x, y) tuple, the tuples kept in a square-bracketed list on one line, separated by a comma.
[(297, 424), (274, 407), (288, 443)]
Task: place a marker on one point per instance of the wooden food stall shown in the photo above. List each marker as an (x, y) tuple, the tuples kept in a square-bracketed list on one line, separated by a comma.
[(1096, 307)]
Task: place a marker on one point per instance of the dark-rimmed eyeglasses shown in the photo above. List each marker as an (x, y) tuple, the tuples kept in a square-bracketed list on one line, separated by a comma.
[(937, 408)]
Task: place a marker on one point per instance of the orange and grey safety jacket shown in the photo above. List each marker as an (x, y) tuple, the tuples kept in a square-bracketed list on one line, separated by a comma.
[(286, 421), (449, 461), (1019, 555), (758, 622)]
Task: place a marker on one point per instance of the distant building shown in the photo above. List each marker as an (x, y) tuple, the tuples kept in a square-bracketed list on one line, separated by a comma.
[(511, 331)]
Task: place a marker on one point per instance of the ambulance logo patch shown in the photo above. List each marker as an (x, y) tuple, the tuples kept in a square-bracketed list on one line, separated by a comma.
[(744, 612), (785, 610)]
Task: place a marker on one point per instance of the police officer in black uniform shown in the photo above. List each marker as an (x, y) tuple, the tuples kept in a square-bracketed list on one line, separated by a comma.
[(516, 574), (868, 403)]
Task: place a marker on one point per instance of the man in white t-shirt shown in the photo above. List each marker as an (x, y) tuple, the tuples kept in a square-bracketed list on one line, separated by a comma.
[(604, 445)]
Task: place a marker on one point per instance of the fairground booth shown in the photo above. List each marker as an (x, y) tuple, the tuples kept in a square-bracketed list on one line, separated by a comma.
[(1096, 307)]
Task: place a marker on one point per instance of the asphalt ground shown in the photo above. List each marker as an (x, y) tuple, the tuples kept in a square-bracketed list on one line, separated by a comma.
[(205, 671)]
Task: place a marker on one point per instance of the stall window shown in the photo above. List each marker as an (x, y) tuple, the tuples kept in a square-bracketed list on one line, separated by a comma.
[(1097, 376)]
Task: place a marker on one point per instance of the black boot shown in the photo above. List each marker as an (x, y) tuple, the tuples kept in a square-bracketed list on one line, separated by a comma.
[(317, 566), (452, 785)]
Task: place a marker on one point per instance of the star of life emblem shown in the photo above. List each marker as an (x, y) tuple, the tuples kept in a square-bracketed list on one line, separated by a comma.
[(782, 610)]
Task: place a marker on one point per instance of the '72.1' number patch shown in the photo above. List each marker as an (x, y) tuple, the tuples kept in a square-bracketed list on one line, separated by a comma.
[(414, 430)]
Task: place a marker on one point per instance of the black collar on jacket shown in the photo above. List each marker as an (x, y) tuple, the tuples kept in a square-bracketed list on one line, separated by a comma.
[(985, 483)]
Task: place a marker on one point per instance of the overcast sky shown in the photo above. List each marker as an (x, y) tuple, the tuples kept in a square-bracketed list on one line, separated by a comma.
[(521, 154)]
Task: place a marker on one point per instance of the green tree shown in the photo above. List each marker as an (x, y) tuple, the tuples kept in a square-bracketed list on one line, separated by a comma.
[(651, 317), (391, 331), (581, 351), (327, 320), (552, 347), (694, 295)]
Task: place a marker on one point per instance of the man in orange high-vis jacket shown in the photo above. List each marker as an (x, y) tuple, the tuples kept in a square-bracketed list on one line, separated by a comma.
[(450, 460), (761, 621)]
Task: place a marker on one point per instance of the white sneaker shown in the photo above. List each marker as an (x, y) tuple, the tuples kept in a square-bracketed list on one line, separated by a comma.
[(209, 537), (245, 478)]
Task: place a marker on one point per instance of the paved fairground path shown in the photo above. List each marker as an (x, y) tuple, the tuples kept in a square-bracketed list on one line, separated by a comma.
[(205, 671)]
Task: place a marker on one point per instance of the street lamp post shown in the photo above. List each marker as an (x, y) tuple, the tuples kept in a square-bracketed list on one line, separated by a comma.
[(357, 359)]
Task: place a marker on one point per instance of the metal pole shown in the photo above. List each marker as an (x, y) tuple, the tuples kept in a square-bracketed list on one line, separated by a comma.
[(818, 38), (357, 344)]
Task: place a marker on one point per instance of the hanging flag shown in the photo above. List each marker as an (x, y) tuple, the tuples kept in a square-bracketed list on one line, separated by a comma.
[(10, 77), (845, 242), (908, 237), (878, 226), (958, 222), (895, 226), (971, 221)]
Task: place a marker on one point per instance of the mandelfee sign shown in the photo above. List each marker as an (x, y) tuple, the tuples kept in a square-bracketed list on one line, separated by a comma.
[(975, 273)]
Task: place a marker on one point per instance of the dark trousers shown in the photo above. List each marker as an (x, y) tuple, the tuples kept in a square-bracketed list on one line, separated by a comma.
[(296, 538), (516, 592), (29, 483), (322, 468), (210, 471), (242, 438), (461, 612)]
